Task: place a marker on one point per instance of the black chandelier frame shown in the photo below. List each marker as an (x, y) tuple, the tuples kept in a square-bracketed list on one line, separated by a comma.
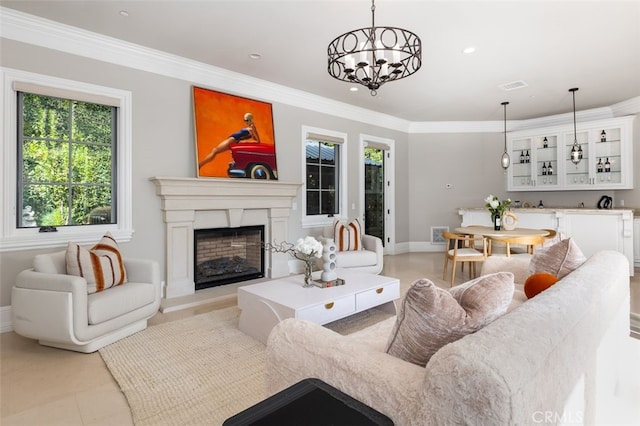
[(373, 56)]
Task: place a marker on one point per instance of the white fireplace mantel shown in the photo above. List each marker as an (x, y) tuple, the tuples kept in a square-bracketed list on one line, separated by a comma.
[(196, 203)]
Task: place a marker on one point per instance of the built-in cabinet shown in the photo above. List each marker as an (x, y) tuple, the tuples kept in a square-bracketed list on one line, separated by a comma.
[(540, 158), (592, 229)]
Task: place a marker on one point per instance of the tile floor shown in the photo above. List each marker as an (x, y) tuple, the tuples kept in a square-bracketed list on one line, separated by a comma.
[(46, 386)]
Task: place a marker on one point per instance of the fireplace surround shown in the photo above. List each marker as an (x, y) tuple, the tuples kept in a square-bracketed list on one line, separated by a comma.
[(188, 204)]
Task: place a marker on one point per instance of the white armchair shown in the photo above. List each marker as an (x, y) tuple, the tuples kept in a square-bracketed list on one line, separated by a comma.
[(54, 308), (370, 259)]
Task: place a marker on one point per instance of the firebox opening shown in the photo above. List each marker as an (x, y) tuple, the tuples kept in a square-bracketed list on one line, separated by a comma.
[(228, 255)]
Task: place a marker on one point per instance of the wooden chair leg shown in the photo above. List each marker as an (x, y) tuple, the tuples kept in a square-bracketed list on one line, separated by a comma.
[(446, 267), (453, 273)]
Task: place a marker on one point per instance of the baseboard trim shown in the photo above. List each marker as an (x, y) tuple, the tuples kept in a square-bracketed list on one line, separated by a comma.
[(635, 323), (425, 246), (6, 323)]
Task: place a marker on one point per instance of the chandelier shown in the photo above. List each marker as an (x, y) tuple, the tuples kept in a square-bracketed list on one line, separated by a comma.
[(576, 149), (375, 55), (505, 160)]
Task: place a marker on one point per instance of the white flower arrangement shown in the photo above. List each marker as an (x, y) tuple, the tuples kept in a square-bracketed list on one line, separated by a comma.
[(494, 205), (305, 249), (309, 246)]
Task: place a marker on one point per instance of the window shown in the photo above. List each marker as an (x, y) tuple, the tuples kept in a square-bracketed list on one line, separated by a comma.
[(66, 159), (66, 162), (324, 176)]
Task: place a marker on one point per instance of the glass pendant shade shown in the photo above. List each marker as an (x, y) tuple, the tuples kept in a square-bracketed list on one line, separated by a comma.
[(505, 160), (575, 153), (576, 149)]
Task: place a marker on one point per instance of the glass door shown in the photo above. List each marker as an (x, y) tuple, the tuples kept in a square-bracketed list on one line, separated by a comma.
[(608, 156), (374, 205), (520, 170), (546, 167)]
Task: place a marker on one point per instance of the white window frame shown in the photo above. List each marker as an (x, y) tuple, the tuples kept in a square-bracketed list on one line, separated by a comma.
[(14, 238), (313, 221)]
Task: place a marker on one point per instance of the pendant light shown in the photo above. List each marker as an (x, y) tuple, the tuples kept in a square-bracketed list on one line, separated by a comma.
[(505, 161), (374, 56), (576, 149)]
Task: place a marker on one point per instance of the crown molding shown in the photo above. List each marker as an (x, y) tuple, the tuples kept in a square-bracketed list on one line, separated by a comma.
[(628, 107), (458, 126), (30, 29)]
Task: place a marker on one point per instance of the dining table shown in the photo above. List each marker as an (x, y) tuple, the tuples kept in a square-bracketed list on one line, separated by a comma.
[(500, 234)]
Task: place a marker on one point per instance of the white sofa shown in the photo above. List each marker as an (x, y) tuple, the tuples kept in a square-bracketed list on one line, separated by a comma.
[(54, 308), (554, 358), (370, 259)]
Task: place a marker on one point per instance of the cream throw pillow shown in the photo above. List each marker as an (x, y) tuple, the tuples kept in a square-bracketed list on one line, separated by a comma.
[(347, 236), (431, 317), (559, 259), (101, 265)]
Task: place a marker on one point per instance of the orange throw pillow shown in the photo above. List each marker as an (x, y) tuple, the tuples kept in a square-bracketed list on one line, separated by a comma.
[(538, 282)]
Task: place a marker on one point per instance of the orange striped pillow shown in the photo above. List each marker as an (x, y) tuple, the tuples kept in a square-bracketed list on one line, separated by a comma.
[(347, 236), (101, 265)]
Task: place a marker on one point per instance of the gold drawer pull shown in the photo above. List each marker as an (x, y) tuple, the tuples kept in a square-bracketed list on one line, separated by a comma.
[(328, 305), (379, 290)]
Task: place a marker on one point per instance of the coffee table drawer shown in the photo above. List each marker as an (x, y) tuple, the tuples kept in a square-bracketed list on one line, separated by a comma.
[(329, 311), (377, 296)]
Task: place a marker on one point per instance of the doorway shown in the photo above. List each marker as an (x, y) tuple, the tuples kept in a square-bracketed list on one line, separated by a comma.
[(376, 184)]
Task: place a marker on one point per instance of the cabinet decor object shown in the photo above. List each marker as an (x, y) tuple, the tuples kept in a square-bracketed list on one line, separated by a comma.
[(545, 162)]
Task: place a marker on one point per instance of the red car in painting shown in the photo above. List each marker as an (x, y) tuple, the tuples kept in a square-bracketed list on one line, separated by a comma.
[(253, 160)]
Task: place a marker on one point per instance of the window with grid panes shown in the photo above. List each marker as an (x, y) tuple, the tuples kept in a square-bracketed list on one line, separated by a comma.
[(66, 162)]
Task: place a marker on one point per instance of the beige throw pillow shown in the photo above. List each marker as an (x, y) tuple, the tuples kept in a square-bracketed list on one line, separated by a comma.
[(101, 265), (347, 236), (485, 298), (559, 259), (431, 317)]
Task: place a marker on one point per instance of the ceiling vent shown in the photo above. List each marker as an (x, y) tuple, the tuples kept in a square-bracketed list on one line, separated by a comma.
[(513, 85)]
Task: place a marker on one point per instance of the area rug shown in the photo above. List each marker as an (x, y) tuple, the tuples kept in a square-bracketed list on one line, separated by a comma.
[(198, 370), (195, 371)]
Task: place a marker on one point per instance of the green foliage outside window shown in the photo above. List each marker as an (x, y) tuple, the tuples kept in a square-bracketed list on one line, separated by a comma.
[(66, 172)]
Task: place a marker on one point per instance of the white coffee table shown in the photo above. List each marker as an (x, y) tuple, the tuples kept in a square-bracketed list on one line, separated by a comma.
[(265, 304)]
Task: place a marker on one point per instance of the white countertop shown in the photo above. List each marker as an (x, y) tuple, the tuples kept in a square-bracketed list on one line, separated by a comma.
[(582, 210)]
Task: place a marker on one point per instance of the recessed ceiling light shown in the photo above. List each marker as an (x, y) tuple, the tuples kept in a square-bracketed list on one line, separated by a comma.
[(469, 49), (353, 89), (124, 13), (255, 56)]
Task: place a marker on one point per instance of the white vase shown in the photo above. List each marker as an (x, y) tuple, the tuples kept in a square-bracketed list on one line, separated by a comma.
[(329, 261)]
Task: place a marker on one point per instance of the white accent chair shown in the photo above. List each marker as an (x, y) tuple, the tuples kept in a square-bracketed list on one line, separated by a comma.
[(370, 259), (54, 308)]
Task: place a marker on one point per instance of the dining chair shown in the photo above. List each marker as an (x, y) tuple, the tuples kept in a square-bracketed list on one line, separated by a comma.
[(529, 242), (547, 240), (552, 234), (461, 248)]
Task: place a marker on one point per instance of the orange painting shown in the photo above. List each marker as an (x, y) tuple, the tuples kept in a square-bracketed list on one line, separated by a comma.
[(234, 136)]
